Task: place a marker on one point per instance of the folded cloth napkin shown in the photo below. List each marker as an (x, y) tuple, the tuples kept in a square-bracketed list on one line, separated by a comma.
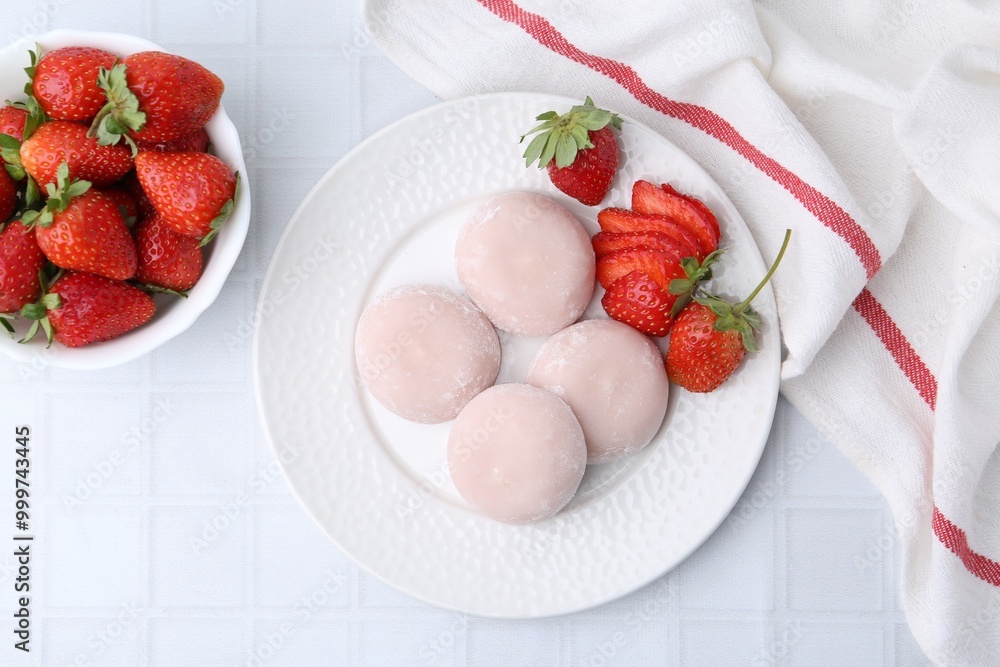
[(872, 130)]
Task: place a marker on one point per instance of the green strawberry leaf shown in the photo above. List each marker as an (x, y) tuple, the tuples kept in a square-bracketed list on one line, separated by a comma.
[(5, 323), (121, 115), (534, 149), (32, 330), (565, 150)]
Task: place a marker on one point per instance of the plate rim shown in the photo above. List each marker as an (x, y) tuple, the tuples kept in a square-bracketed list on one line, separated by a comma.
[(738, 490)]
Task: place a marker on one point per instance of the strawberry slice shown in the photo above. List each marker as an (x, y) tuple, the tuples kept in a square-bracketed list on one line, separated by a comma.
[(608, 242), (698, 204), (623, 221), (638, 301), (659, 265), (647, 198)]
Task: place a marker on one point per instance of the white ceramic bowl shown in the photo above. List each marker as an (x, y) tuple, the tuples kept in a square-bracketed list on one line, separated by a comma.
[(173, 315)]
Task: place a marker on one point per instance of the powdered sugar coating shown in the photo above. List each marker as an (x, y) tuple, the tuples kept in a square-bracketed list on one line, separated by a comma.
[(527, 262), (424, 352), (516, 453), (612, 377)]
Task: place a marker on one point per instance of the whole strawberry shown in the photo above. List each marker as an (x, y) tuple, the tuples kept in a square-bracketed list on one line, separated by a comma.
[(192, 192), (59, 141), (65, 82), (166, 259), (155, 97), (82, 308), (12, 121), (82, 229), (20, 261), (579, 150), (710, 337)]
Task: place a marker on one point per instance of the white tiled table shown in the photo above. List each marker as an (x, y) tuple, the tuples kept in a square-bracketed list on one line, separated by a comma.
[(129, 569)]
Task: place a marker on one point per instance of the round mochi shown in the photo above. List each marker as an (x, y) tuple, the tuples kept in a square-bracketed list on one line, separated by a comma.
[(527, 262), (612, 377), (424, 352), (516, 453)]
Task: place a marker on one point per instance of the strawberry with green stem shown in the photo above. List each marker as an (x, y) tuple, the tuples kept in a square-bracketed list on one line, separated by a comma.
[(711, 336), (155, 97), (578, 149), (81, 228), (21, 260), (82, 308)]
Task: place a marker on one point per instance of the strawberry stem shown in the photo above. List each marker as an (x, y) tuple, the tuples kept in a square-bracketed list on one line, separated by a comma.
[(562, 137), (767, 276)]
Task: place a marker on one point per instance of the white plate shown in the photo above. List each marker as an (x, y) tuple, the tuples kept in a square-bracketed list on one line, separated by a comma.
[(388, 213), (173, 315)]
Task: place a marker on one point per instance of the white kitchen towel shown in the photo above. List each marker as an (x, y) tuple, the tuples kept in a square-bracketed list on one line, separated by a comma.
[(873, 130)]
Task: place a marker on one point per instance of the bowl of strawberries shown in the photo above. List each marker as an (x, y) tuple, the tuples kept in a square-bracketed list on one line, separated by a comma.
[(124, 201)]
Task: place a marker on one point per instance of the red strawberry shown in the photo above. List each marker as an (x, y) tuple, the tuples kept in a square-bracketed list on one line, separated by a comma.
[(196, 142), (608, 242), (579, 150), (156, 97), (711, 336), (125, 203), (12, 121), (705, 211), (65, 82), (60, 141), (638, 301), (192, 192), (82, 229), (166, 259), (659, 265), (700, 357), (81, 308), (8, 195), (621, 221), (132, 186), (647, 198), (20, 261)]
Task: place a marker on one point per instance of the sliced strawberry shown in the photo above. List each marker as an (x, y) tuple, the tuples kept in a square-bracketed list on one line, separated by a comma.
[(698, 204), (659, 265), (623, 221), (647, 198), (608, 242), (638, 301)]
